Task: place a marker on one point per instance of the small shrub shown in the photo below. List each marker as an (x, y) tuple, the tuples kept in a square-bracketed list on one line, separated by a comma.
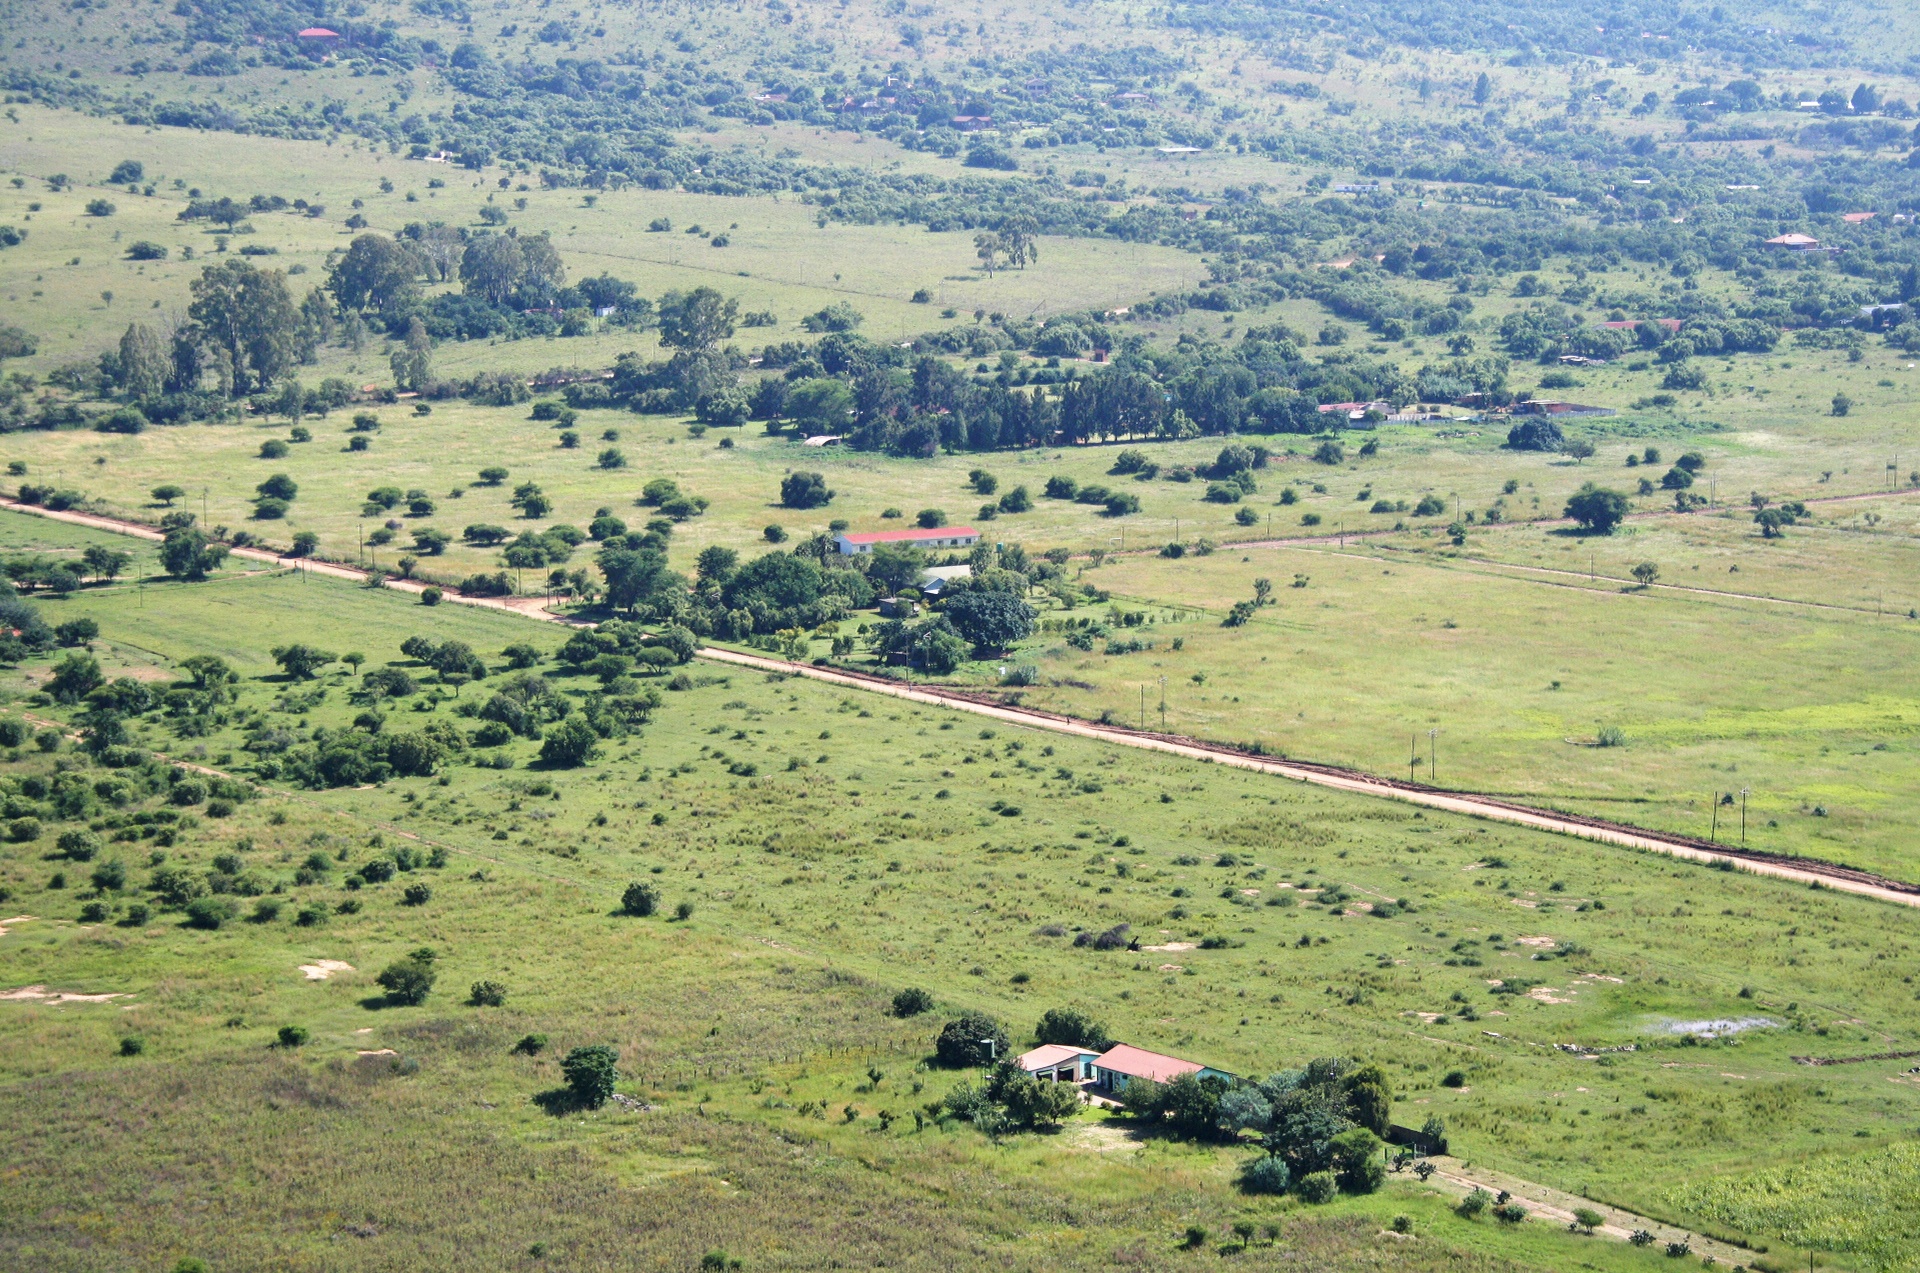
[(209, 912), (1316, 1187), (912, 1002), (1474, 1205), (640, 899), (1265, 1175), (416, 895), (683, 911), (487, 994), (132, 1045), (293, 1036), (530, 1045)]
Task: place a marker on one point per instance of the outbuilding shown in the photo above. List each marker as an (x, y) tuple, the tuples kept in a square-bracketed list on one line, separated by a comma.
[(919, 537)]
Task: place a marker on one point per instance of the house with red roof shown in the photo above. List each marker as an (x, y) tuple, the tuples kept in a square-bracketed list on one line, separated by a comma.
[(1059, 1062), (917, 537), (1122, 1063)]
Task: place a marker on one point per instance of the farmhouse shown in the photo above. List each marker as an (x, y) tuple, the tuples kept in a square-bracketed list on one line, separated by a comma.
[(1059, 1062), (1795, 242), (938, 537), (1121, 1064)]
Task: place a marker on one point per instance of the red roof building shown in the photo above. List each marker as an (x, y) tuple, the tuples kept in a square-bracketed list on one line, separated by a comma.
[(938, 537), (1124, 1062), (319, 33)]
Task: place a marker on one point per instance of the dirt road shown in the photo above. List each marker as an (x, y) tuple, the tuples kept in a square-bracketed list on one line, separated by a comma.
[(1799, 871)]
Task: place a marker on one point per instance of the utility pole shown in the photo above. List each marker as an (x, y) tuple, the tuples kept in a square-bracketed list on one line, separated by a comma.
[(1433, 755), (1714, 833), (1743, 816), (1413, 754), (1163, 704)]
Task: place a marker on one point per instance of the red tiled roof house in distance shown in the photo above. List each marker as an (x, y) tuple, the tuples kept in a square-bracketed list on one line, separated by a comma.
[(938, 537)]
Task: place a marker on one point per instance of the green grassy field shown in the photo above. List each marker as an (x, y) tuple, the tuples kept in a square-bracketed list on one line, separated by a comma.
[(827, 867)]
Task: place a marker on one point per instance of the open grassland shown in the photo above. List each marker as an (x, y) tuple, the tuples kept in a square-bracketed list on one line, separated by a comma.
[(1812, 707), (834, 849), (778, 259)]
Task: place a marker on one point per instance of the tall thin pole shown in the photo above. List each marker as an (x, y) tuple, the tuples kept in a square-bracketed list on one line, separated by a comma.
[(1433, 755), (1714, 834), (1413, 753), (1163, 704), (1743, 816)]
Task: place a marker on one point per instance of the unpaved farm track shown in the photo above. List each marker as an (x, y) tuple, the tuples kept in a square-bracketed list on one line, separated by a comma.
[(1800, 870), (1810, 871)]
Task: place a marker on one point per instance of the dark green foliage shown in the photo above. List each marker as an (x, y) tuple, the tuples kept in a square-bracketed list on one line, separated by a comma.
[(293, 1036), (408, 981), (1535, 433), (487, 994), (569, 744), (911, 1002), (590, 1074), (210, 912), (1073, 1028), (1265, 1175), (971, 1039), (640, 899), (991, 620), (804, 490), (1316, 1187), (1597, 509)]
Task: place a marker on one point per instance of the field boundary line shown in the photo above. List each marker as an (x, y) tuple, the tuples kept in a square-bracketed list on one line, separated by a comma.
[(1824, 874)]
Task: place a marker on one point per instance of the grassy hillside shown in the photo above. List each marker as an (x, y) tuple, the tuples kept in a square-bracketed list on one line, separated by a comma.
[(873, 853)]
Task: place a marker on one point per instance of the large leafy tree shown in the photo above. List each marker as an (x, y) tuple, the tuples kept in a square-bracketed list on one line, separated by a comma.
[(375, 272), (492, 267), (696, 320), (248, 317), (1597, 509), (188, 554), (991, 620)]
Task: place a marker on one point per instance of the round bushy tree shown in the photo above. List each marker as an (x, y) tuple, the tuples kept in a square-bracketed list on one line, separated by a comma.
[(992, 621), (640, 899), (911, 1002), (1316, 1187), (971, 1039), (569, 744), (590, 1074), (1597, 509), (1265, 1175)]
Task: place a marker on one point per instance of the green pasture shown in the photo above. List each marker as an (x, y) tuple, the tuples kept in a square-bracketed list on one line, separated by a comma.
[(1810, 706), (779, 260), (834, 848)]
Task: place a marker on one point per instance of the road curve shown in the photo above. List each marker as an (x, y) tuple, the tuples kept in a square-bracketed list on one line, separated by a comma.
[(1799, 870)]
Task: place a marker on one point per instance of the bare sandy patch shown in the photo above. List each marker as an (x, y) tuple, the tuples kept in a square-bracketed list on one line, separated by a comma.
[(1249, 892), (321, 969), (1172, 968), (378, 1052), (40, 994), (1546, 994), (1542, 942), (17, 919), (1173, 947)]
